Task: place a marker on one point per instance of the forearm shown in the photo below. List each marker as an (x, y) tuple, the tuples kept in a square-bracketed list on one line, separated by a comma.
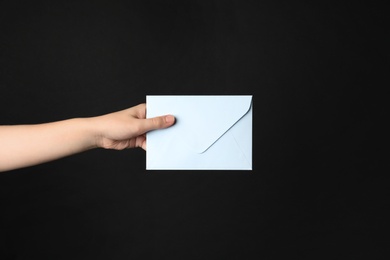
[(26, 145)]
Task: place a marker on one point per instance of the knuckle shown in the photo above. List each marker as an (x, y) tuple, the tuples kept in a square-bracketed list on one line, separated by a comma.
[(158, 122), (141, 110)]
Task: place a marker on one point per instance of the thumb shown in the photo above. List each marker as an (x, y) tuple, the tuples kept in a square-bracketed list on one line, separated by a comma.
[(159, 122)]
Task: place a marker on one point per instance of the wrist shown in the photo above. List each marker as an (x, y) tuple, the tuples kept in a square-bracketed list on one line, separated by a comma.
[(89, 130)]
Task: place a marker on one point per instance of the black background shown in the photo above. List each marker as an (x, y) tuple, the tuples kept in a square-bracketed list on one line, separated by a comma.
[(315, 71)]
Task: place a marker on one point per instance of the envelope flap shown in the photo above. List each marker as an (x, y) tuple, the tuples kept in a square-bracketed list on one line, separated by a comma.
[(206, 118)]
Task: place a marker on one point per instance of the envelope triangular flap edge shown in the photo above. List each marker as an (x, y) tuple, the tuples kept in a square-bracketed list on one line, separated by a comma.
[(210, 124)]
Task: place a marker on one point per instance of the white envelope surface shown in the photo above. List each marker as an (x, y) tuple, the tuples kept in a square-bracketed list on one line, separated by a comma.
[(210, 133)]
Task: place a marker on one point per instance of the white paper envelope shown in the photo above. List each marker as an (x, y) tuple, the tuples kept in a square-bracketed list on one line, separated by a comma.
[(210, 133)]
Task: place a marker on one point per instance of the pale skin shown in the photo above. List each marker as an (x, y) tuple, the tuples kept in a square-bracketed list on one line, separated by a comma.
[(27, 145)]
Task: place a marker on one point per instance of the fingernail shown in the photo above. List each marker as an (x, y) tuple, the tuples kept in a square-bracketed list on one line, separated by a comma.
[(169, 119)]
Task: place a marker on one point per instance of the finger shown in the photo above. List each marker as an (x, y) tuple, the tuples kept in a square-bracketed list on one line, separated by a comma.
[(156, 123), (144, 142), (140, 140)]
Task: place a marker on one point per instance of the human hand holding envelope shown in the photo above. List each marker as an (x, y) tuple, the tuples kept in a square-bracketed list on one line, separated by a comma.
[(210, 133)]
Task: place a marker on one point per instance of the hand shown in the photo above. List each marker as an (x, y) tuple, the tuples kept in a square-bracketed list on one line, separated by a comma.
[(127, 128), (26, 145)]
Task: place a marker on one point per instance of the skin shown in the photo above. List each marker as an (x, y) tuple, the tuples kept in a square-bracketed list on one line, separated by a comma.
[(27, 145)]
